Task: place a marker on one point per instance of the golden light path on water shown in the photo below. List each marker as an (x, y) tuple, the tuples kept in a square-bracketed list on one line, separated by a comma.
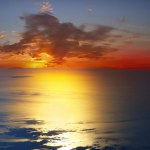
[(72, 109), (63, 101)]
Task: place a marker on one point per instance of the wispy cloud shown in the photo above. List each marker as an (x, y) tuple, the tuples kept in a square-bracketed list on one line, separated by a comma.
[(3, 35), (46, 7)]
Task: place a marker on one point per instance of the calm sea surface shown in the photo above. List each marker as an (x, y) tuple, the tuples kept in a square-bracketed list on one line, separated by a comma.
[(52, 109)]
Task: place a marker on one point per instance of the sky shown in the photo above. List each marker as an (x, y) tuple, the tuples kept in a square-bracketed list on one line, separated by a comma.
[(75, 34)]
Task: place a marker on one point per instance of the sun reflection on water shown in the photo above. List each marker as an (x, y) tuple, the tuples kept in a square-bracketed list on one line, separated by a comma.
[(61, 100), (72, 109)]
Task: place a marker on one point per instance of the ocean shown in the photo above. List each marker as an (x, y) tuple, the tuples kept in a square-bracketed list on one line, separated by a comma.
[(74, 109)]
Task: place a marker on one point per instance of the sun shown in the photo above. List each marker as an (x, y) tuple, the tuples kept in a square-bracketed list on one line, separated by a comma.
[(41, 61), (35, 64)]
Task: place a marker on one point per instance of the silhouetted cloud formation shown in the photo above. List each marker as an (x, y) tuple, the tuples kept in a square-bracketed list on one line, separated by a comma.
[(45, 33)]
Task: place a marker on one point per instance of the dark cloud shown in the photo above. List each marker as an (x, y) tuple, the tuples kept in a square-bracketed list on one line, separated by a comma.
[(15, 48), (45, 33)]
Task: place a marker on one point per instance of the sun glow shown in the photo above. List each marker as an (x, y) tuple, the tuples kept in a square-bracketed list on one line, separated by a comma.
[(41, 61), (35, 64), (60, 99)]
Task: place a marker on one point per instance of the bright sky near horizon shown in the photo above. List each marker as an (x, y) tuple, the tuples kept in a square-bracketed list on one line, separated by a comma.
[(100, 33)]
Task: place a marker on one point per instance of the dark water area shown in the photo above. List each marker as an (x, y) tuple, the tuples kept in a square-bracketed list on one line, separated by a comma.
[(74, 109)]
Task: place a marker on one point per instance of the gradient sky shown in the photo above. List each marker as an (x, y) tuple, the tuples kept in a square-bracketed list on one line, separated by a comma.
[(123, 27)]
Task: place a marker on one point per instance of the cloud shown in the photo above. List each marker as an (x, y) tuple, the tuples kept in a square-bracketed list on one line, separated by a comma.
[(15, 33), (46, 7), (45, 33), (2, 35), (89, 10)]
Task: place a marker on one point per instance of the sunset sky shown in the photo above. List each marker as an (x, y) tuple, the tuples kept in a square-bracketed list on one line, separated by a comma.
[(75, 34)]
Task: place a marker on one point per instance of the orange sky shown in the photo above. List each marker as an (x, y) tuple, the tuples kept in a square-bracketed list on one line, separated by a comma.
[(45, 60), (47, 42)]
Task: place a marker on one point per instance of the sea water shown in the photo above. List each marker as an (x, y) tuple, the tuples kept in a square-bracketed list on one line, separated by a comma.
[(78, 109)]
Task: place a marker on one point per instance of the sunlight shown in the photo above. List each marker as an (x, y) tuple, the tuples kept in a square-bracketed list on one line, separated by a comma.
[(40, 61), (64, 92), (62, 103), (35, 64)]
